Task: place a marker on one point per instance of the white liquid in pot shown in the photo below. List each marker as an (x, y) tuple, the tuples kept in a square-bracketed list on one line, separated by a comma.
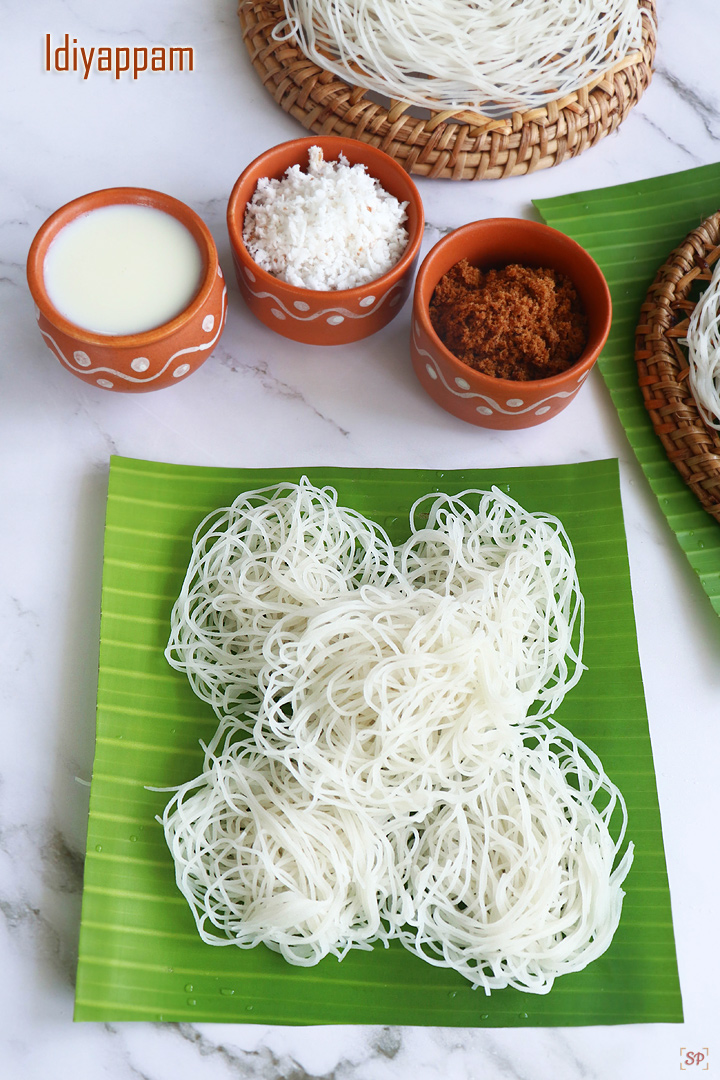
[(122, 269)]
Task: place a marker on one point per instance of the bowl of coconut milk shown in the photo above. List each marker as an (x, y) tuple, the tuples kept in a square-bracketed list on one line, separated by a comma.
[(128, 289)]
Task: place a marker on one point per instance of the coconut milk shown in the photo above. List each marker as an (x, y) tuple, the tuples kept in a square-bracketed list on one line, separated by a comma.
[(122, 269)]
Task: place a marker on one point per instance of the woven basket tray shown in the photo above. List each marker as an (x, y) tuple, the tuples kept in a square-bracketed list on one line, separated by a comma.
[(692, 446), (457, 146)]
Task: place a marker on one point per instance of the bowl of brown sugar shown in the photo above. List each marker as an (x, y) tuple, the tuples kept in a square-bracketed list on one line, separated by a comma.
[(509, 317)]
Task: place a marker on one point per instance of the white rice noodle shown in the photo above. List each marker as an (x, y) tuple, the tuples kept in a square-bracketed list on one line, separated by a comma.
[(494, 56), (276, 553), (259, 861), (514, 885), (389, 696), (703, 339), (519, 566), (509, 882), (375, 774), (282, 556)]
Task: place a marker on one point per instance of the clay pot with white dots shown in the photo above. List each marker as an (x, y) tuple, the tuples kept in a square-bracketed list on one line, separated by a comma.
[(171, 309), (325, 317), (472, 395)]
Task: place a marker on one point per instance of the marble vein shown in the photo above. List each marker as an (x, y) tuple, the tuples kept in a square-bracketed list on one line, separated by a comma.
[(260, 1064), (124, 1053), (659, 128), (270, 382), (708, 114), (12, 273), (62, 864)]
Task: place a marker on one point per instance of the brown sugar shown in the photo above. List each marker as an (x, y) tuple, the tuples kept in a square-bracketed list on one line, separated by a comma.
[(517, 323)]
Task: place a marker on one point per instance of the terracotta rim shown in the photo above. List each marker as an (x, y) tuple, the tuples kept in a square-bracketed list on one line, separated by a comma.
[(110, 197), (428, 278), (333, 145)]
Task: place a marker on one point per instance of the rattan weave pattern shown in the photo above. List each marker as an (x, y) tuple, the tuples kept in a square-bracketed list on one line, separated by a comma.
[(457, 146), (692, 446)]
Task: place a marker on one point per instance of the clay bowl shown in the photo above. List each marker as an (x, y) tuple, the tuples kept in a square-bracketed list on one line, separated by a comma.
[(472, 395), (339, 316), (132, 363)]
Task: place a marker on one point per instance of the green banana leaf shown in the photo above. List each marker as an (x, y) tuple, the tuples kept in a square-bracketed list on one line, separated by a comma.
[(140, 955), (630, 230)]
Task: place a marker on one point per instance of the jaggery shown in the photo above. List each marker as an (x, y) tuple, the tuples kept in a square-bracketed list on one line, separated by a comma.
[(517, 323)]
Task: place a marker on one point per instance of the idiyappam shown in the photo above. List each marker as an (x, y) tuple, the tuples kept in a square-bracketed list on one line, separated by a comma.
[(386, 766), (493, 57)]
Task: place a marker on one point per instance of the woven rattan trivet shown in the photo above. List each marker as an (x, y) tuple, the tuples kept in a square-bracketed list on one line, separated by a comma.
[(692, 446), (457, 146)]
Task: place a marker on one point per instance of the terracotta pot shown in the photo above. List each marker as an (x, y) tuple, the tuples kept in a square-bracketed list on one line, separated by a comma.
[(325, 317), (469, 394), (132, 363)]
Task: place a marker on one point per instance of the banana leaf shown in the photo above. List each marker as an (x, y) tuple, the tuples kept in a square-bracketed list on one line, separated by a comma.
[(630, 231), (140, 957)]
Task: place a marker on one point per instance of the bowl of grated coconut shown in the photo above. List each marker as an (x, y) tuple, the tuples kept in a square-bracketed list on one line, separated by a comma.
[(325, 236)]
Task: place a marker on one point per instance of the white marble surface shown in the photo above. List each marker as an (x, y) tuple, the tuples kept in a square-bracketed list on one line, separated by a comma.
[(263, 401)]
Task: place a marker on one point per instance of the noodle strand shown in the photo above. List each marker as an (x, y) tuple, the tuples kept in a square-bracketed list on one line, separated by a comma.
[(386, 765)]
